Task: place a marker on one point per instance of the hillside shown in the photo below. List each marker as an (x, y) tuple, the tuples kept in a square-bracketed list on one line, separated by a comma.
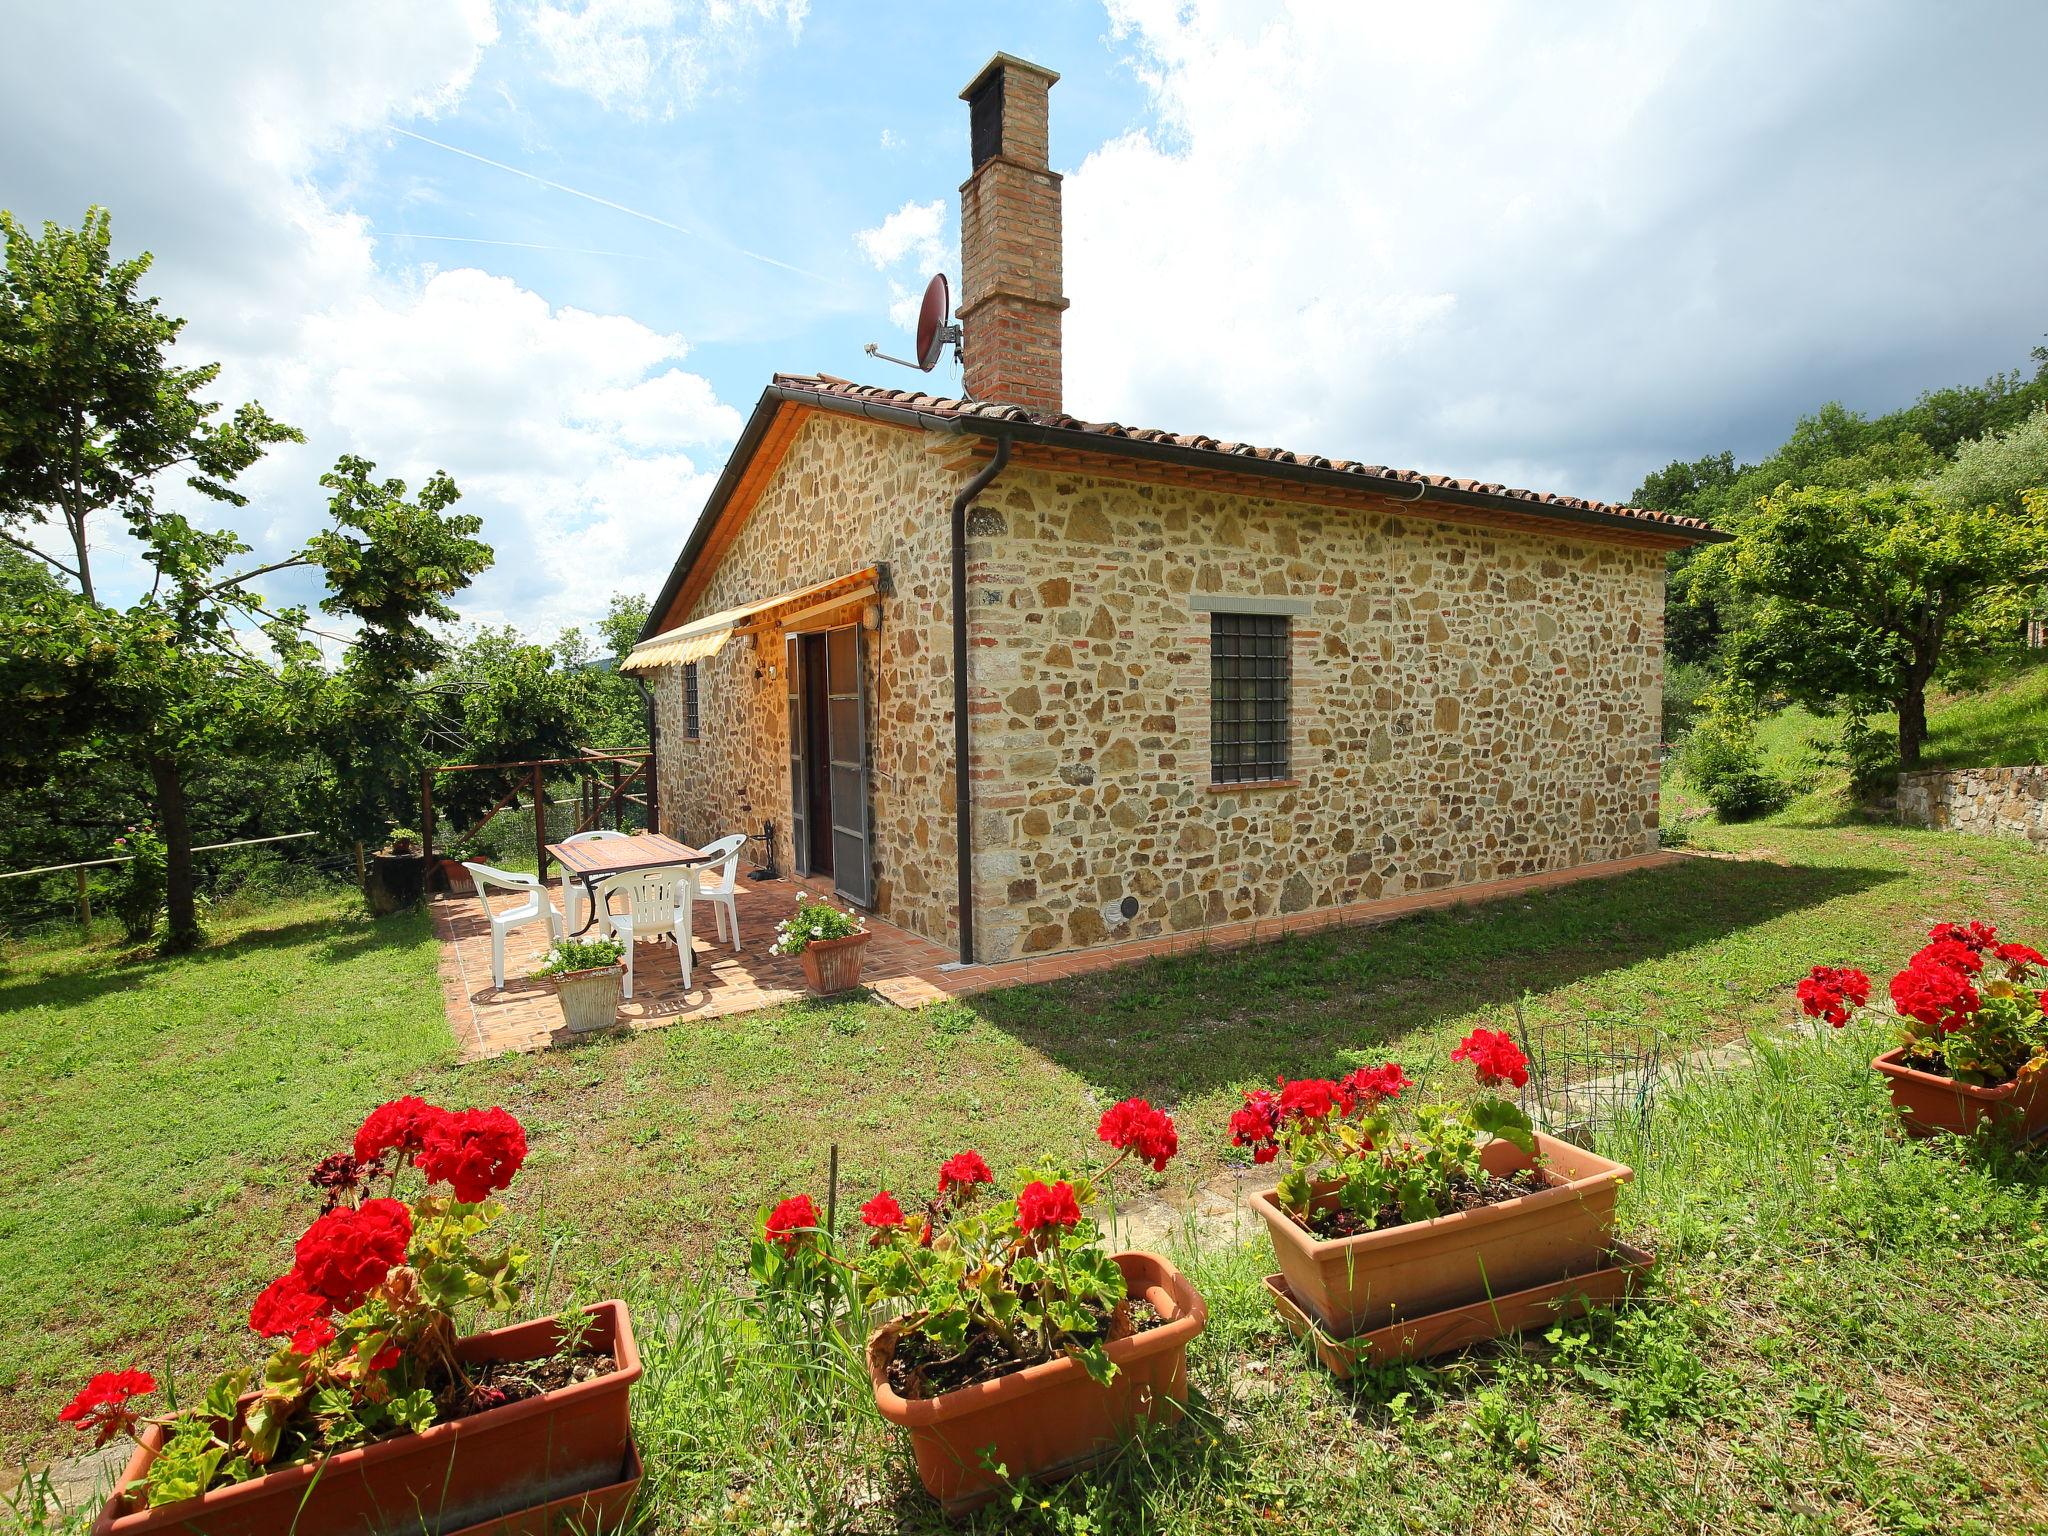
[(2004, 723)]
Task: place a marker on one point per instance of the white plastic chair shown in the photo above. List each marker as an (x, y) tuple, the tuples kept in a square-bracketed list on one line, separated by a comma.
[(575, 894), (719, 882), (657, 903), (535, 907)]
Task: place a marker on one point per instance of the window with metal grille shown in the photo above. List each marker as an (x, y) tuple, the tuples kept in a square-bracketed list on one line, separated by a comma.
[(690, 699), (1248, 687)]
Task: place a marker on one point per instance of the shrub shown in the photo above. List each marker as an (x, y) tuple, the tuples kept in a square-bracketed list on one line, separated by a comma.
[(1686, 686), (1722, 759), (1869, 756), (139, 893)]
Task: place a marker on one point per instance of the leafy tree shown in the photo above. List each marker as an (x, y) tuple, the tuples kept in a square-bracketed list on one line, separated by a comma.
[(91, 414), (1863, 595), (94, 412), (1993, 470)]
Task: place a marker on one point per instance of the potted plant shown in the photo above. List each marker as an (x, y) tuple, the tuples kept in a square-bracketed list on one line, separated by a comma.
[(587, 977), (1375, 1225), (1017, 1346), (397, 873), (449, 872), (374, 1414), (828, 939), (1973, 1030)]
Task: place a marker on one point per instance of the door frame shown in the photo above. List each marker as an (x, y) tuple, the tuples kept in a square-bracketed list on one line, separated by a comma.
[(853, 848)]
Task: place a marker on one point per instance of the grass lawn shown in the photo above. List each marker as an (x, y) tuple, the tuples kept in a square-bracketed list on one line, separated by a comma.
[(1847, 1341)]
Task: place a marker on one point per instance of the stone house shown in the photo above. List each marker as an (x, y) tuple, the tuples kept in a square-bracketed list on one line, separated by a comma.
[(1024, 683)]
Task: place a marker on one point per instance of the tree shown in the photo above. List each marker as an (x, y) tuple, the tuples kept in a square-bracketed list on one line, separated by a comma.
[(1865, 595), (91, 410), (178, 680)]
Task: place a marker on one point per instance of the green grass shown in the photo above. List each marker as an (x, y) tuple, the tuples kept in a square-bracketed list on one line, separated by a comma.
[(2002, 724), (159, 1114)]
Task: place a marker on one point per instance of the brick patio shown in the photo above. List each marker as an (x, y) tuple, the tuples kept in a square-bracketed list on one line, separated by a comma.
[(901, 967)]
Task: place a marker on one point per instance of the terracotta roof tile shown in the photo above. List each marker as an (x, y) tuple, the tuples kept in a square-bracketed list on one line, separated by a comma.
[(988, 410)]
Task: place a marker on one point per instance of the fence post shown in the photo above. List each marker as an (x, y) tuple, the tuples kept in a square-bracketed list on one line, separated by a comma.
[(84, 902), (361, 873), (427, 817), (540, 825)]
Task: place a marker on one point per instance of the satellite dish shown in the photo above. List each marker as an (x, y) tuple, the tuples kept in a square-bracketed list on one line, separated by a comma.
[(932, 316), (936, 328)]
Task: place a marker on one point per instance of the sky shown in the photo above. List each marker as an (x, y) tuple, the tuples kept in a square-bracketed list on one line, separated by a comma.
[(557, 247)]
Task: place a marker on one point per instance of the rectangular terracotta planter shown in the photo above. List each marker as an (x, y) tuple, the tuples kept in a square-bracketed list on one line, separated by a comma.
[(1443, 1333), (1352, 1285), (1047, 1421), (502, 1469), (1929, 1103), (600, 1512), (833, 965)]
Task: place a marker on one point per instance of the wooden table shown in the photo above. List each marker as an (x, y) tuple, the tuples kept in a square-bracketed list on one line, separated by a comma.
[(602, 857)]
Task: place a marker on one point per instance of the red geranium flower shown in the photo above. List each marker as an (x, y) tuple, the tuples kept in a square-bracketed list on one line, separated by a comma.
[(962, 1172), (883, 1213), (1372, 1085), (312, 1336), (1952, 953), (1137, 1126), (1257, 1125), (103, 1403), (476, 1152), (286, 1306), (1831, 991), (1973, 935), (346, 1254), (386, 1357), (2018, 957), (1494, 1056), (1935, 994), (400, 1127), (790, 1222), (1046, 1205), (1309, 1098)]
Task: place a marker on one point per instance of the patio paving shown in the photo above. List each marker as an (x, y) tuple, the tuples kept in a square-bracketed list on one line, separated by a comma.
[(901, 967)]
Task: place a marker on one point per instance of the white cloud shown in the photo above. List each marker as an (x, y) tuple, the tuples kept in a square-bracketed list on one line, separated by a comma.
[(1556, 247), (226, 141), (891, 139), (912, 230), (649, 57)]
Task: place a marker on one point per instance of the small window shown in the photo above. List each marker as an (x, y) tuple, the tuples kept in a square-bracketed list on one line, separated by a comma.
[(690, 699), (1248, 687)]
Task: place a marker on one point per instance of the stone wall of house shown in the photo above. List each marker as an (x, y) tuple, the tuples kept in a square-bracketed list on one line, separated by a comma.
[(1468, 704), (1992, 802), (848, 495)]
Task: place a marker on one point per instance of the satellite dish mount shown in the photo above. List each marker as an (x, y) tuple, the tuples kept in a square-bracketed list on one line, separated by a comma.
[(936, 327)]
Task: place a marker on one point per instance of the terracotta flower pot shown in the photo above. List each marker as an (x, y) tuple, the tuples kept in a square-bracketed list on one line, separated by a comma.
[(1929, 1103), (833, 965), (590, 999), (1351, 1285), (1049, 1420), (450, 875), (504, 1469)]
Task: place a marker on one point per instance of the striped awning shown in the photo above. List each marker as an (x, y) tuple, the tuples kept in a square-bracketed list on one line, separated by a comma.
[(704, 637)]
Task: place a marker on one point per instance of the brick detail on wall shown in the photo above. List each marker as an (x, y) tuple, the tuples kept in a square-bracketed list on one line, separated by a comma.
[(1011, 271)]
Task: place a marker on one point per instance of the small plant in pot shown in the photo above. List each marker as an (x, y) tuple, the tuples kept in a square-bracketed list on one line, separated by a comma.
[(587, 978), (828, 940), (1973, 1027), (1017, 1346), (374, 1411), (1374, 1223)]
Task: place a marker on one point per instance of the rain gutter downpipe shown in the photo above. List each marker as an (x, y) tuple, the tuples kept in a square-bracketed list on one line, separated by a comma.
[(963, 809)]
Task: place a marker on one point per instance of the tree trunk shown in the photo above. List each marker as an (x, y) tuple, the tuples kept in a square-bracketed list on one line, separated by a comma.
[(1912, 720), (181, 915), (77, 523)]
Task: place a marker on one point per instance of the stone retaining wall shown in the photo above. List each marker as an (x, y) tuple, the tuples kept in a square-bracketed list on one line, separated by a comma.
[(1993, 802)]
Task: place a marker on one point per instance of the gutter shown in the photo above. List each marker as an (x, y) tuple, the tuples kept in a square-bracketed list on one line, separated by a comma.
[(963, 809)]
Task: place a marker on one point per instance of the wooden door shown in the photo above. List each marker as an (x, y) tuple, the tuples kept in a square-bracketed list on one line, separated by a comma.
[(799, 780), (847, 748)]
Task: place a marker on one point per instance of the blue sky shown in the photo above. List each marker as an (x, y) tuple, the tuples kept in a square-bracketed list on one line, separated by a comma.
[(1551, 246)]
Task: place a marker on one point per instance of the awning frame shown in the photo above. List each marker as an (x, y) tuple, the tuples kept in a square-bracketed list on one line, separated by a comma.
[(706, 636)]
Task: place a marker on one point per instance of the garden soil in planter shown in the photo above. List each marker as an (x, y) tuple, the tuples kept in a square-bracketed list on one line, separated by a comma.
[(1929, 1103), (502, 1470), (1351, 1285), (1618, 1274), (1048, 1420), (833, 965)]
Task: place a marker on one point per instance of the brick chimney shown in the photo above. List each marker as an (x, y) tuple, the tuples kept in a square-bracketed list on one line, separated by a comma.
[(1010, 299)]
